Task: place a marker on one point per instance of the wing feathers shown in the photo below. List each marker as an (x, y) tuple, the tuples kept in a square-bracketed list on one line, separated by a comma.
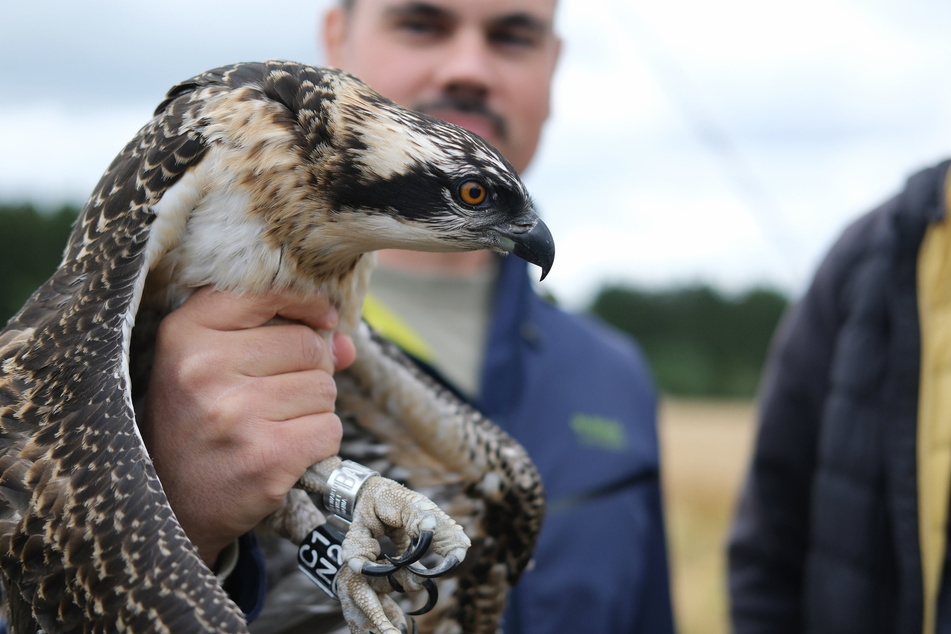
[(73, 470)]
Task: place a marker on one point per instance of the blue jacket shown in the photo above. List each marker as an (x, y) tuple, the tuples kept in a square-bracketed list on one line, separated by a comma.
[(842, 523), (580, 399)]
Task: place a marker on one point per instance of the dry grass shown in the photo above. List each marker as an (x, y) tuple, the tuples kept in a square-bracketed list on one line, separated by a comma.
[(705, 449)]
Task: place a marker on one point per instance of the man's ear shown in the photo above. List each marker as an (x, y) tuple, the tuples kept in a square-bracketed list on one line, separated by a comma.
[(335, 27)]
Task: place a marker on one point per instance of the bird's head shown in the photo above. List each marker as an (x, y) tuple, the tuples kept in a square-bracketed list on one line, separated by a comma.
[(420, 183), (323, 170)]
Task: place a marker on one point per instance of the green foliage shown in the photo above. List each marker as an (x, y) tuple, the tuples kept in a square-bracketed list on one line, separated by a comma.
[(31, 247), (698, 341)]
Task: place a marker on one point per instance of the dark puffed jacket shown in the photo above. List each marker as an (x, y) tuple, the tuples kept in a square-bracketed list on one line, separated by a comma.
[(833, 531)]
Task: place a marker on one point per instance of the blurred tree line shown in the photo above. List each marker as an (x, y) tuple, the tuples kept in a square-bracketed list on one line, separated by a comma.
[(699, 342), (31, 247)]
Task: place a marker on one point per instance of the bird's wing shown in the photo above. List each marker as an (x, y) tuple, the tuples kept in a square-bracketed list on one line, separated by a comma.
[(89, 539)]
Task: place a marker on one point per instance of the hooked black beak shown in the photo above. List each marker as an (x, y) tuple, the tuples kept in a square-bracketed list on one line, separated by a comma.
[(533, 244)]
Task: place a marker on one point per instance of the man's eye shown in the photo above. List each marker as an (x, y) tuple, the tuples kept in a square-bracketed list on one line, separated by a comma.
[(420, 27), (514, 38)]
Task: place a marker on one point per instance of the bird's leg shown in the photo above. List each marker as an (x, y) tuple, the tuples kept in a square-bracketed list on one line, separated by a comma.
[(377, 507), (443, 442)]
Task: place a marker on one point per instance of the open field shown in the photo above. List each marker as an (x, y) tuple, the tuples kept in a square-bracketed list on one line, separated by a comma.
[(705, 448)]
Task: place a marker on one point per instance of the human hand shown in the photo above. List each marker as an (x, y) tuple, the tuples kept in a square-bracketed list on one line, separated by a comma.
[(236, 411)]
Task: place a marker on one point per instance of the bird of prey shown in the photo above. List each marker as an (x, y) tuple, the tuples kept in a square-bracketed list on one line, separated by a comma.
[(250, 178)]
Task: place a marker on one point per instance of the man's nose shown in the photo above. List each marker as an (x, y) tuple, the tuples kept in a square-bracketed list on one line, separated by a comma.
[(468, 68)]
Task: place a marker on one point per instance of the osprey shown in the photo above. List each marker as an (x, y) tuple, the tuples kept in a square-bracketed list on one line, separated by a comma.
[(257, 177)]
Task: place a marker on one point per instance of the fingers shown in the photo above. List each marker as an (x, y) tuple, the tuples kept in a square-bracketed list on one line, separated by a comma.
[(315, 447), (285, 347), (344, 352), (278, 397), (264, 460), (279, 349), (227, 311)]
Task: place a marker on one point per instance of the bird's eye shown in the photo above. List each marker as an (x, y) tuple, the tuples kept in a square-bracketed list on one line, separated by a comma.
[(472, 193)]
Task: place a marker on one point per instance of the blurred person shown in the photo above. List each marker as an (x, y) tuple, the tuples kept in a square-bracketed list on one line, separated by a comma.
[(842, 525), (577, 395)]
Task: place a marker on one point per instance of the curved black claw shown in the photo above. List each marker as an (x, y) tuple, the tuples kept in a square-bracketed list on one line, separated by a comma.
[(416, 550), (433, 596), (397, 586), (447, 564), (378, 570)]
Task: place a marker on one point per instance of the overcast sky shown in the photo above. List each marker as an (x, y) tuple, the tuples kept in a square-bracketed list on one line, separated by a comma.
[(722, 142)]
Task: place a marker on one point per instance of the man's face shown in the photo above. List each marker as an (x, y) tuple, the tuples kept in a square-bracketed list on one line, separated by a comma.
[(485, 65)]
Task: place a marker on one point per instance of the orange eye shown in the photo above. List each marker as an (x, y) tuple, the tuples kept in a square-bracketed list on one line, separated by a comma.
[(472, 193)]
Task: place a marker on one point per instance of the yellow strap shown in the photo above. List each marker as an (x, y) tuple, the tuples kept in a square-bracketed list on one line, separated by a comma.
[(390, 326), (934, 414)]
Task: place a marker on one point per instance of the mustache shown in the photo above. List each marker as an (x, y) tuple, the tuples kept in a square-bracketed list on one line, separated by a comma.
[(466, 105)]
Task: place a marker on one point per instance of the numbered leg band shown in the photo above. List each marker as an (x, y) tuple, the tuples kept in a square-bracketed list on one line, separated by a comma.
[(344, 484)]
